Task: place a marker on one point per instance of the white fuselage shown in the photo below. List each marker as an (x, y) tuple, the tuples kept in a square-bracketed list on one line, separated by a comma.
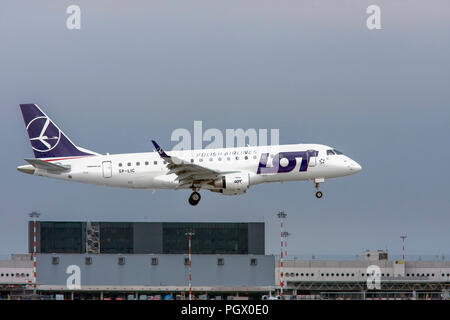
[(149, 171)]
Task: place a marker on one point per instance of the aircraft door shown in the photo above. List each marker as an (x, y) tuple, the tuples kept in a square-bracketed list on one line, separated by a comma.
[(312, 158), (107, 169)]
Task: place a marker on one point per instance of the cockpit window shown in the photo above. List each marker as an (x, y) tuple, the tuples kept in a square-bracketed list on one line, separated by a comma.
[(337, 151), (330, 152)]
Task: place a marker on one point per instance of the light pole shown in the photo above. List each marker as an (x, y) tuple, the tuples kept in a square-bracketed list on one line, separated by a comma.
[(281, 215), (190, 234), (34, 215)]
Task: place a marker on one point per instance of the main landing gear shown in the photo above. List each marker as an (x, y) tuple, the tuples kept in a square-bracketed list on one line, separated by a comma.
[(319, 193), (194, 199)]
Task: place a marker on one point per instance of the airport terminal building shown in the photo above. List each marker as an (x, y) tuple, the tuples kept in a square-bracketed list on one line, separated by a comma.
[(142, 258), (149, 260)]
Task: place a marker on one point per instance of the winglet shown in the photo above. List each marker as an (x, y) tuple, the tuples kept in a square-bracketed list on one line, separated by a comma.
[(160, 151)]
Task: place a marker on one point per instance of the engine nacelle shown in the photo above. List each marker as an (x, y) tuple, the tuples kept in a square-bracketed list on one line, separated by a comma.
[(233, 183)]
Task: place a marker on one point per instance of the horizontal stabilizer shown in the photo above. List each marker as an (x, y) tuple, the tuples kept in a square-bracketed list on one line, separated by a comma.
[(51, 167)]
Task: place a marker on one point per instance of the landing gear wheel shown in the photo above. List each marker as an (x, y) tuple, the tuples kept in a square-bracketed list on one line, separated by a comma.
[(194, 199), (319, 194)]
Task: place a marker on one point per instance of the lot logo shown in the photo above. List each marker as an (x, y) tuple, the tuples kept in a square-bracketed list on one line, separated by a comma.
[(284, 161), (44, 135)]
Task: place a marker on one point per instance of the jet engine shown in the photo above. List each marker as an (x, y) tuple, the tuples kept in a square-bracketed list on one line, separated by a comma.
[(232, 183)]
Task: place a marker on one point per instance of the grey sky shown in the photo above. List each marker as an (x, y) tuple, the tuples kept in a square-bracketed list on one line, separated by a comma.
[(139, 70)]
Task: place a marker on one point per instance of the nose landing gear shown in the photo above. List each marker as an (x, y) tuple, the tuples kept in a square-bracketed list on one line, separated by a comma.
[(194, 199), (319, 193)]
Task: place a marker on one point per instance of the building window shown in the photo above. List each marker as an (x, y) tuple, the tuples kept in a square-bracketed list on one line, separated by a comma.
[(55, 260), (121, 261), (220, 261), (253, 261), (154, 261)]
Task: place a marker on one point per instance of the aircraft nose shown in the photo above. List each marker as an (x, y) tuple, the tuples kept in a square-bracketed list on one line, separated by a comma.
[(355, 167)]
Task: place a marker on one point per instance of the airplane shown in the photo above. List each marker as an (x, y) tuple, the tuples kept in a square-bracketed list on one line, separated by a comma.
[(229, 171)]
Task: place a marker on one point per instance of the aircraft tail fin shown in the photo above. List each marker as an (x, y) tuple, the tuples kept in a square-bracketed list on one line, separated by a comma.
[(47, 140)]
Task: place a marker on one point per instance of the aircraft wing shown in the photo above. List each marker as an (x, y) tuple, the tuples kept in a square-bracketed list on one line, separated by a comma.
[(52, 167), (187, 172)]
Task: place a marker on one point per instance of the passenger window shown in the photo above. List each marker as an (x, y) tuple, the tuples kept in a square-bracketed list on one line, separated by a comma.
[(138, 163), (155, 162), (146, 163), (120, 164), (330, 152)]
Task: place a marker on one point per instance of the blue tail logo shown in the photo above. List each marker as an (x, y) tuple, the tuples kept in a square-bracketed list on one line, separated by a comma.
[(46, 134), (47, 140)]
